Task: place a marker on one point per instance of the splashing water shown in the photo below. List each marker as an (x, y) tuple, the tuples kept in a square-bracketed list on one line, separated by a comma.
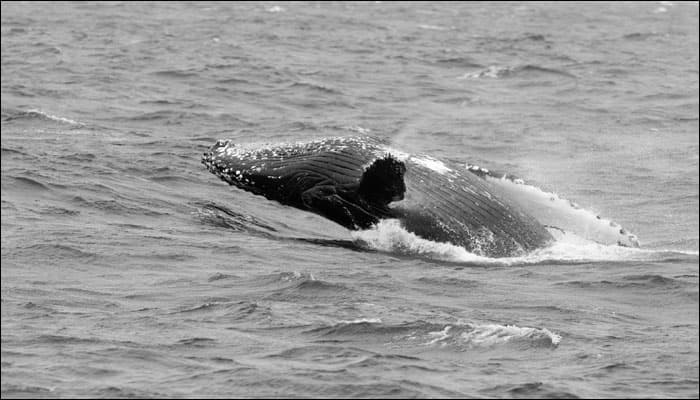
[(390, 236)]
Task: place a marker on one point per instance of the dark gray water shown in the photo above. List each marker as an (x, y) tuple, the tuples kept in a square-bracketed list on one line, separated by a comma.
[(129, 270)]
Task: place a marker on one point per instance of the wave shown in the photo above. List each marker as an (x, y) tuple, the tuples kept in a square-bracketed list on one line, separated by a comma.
[(282, 278), (24, 183), (462, 62), (196, 342), (220, 276), (641, 35), (435, 27), (494, 334), (79, 157), (57, 252), (311, 288), (358, 129), (124, 392), (233, 81), (217, 215), (449, 281), (65, 339), (323, 354), (58, 211), (528, 390), (8, 152), (176, 74), (38, 114), (316, 86), (647, 282), (460, 335), (119, 207), (12, 390), (215, 310), (179, 117), (281, 286), (499, 72)]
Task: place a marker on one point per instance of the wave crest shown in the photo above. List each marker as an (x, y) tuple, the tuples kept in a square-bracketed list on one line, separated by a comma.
[(460, 335), (38, 114)]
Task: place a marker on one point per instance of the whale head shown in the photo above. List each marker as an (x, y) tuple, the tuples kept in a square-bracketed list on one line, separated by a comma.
[(340, 179), (257, 169)]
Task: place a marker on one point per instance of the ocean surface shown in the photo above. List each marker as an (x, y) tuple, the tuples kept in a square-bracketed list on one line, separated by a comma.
[(129, 270)]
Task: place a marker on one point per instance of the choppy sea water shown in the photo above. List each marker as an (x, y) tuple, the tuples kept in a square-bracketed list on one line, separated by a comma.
[(129, 270)]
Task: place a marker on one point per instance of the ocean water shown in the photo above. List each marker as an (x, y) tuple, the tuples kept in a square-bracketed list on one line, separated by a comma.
[(128, 270)]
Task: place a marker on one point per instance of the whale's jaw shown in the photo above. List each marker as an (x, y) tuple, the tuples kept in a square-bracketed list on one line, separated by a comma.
[(352, 188)]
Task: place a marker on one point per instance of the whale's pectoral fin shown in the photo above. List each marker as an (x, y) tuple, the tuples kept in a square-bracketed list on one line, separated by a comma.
[(382, 182), (326, 201)]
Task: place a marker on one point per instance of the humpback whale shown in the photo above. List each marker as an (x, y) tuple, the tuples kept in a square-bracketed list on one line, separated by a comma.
[(358, 181)]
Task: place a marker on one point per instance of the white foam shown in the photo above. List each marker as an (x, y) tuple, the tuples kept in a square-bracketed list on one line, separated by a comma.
[(494, 334), (358, 129), (487, 335), (296, 275), (439, 335), (492, 71), (53, 117), (362, 321), (433, 27), (389, 236)]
